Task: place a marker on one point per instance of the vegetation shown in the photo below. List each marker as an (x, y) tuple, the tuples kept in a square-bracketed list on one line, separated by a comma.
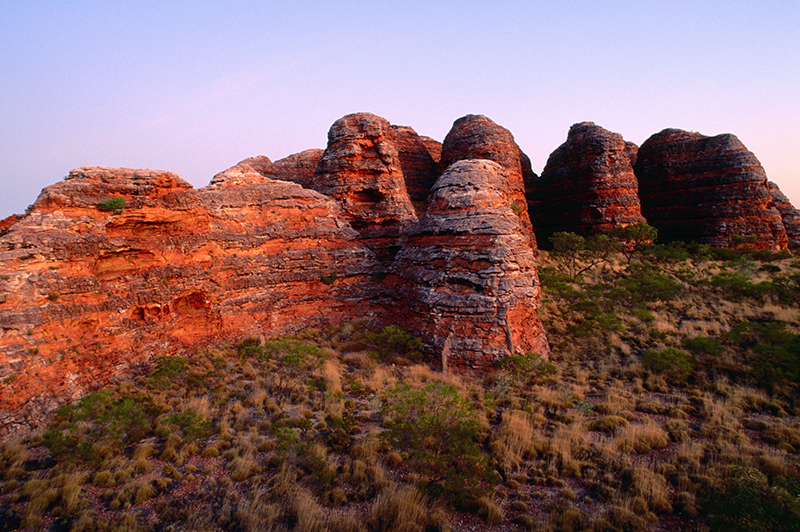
[(670, 400), (114, 203)]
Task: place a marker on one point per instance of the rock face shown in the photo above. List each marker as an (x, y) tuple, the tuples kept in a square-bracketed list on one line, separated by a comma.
[(419, 169), (708, 189), (587, 186), (434, 148), (477, 137), (298, 168), (361, 170), (789, 214), (87, 295), (468, 271)]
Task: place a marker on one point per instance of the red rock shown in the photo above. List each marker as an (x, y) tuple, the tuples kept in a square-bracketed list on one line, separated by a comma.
[(477, 137), (298, 168), (87, 296), (419, 169), (708, 189), (361, 170), (789, 214), (587, 186), (5, 223), (467, 272), (434, 148)]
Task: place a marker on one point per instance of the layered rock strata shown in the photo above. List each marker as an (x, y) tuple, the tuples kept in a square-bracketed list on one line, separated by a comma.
[(708, 189), (419, 169), (87, 295), (789, 214), (468, 270), (298, 168), (361, 170), (588, 185), (478, 137)]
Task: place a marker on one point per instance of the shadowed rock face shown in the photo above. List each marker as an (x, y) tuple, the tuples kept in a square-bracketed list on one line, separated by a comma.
[(707, 189), (468, 270), (434, 148), (477, 137), (419, 169), (789, 214), (587, 186)]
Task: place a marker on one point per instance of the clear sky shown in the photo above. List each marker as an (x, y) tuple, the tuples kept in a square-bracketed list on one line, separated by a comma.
[(194, 87)]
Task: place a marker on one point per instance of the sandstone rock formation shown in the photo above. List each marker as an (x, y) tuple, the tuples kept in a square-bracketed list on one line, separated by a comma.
[(789, 214), (468, 271), (434, 148), (477, 137), (87, 295), (587, 186), (419, 169), (298, 168), (361, 170), (708, 189)]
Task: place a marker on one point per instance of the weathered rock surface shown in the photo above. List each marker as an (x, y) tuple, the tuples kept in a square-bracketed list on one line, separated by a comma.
[(587, 186), (468, 271), (789, 214), (7, 222), (298, 168), (434, 148), (361, 170), (708, 189), (477, 137), (419, 169), (87, 295)]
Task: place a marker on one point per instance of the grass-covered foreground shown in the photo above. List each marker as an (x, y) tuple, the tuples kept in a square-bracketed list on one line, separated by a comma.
[(670, 403)]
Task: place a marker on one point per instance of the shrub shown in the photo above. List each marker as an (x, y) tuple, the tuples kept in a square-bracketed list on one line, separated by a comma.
[(703, 344), (675, 364), (394, 341), (439, 429), (114, 203)]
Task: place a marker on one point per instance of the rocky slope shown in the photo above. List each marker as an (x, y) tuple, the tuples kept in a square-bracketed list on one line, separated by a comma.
[(587, 186), (708, 189)]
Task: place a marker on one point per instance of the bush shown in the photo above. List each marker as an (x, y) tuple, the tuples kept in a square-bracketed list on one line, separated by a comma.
[(394, 341), (675, 364), (114, 203), (439, 429)]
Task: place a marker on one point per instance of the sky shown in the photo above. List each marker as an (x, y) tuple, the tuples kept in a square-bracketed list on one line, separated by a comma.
[(194, 87)]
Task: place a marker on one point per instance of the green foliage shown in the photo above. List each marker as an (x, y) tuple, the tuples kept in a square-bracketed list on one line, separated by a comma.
[(738, 285), (114, 203), (167, 371), (527, 366), (330, 278), (648, 283), (633, 237), (675, 364), (704, 345), (191, 423), (439, 429), (750, 503), (251, 348), (773, 351), (115, 422), (579, 254), (394, 341), (294, 354)]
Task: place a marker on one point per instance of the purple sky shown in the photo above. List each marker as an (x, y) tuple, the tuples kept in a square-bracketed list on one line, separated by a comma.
[(194, 87)]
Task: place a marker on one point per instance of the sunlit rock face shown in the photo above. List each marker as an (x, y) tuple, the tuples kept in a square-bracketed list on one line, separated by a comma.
[(588, 185), (467, 272), (87, 295), (708, 189)]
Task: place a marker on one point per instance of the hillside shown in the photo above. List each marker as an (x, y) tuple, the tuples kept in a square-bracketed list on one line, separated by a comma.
[(670, 402)]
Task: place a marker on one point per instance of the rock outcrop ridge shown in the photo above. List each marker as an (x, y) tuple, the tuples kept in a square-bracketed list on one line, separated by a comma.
[(468, 271), (708, 189), (789, 214), (587, 186)]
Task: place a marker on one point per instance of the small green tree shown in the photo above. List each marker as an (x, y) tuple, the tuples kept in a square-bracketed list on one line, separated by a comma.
[(579, 254), (632, 238)]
